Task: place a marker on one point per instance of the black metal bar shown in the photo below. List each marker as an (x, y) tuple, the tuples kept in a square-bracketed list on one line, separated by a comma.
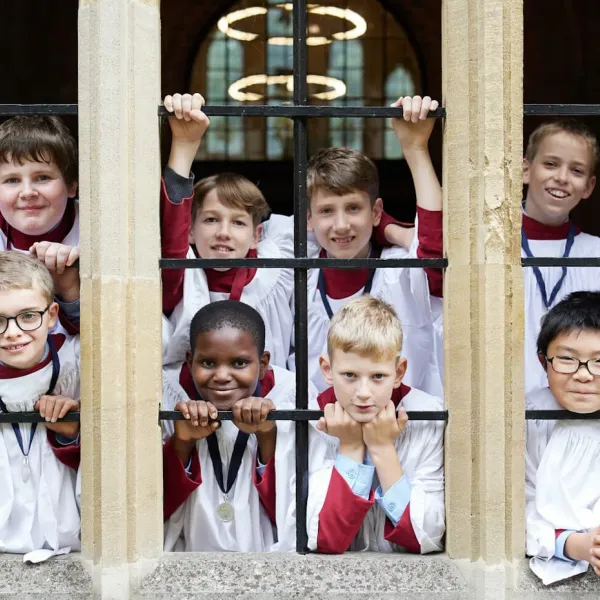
[(555, 110), (304, 415), (300, 275), (559, 415), (34, 417), (302, 263), (549, 261), (10, 110)]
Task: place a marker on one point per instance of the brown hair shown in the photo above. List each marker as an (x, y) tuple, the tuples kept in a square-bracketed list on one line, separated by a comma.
[(234, 191), (570, 126), (342, 171), (39, 139), (19, 271)]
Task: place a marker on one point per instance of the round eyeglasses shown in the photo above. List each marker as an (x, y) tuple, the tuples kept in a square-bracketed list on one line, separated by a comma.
[(567, 365), (29, 320)]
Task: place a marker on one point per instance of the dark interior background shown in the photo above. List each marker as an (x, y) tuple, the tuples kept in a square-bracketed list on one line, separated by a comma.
[(562, 65)]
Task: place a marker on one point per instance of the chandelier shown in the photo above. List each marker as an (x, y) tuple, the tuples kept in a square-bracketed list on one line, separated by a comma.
[(337, 87), (345, 14)]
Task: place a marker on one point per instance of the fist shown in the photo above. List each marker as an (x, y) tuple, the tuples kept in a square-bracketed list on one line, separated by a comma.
[(385, 427), (199, 420), (338, 423), (188, 123), (53, 408), (414, 128), (56, 257), (250, 415)]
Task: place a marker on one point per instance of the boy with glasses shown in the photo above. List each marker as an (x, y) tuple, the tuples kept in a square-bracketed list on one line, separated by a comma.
[(39, 371), (563, 457)]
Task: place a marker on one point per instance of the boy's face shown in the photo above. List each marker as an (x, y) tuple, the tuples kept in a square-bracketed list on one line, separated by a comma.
[(343, 225), (33, 196), (362, 386), (579, 391), (25, 349), (220, 231), (226, 366), (559, 177)]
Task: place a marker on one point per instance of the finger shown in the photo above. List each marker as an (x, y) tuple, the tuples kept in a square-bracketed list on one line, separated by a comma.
[(197, 102), (58, 406), (177, 105), (434, 105), (193, 408), (62, 256), (49, 410), (407, 108), (416, 108), (202, 414), (258, 408), (236, 411), (213, 411), (73, 256), (322, 425), (329, 411), (182, 407), (186, 106), (398, 102), (168, 103), (425, 108), (247, 411), (50, 258), (40, 406), (265, 409), (67, 407)]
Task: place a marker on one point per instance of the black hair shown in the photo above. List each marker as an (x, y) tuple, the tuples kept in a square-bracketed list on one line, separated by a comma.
[(229, 313), (579, 311)]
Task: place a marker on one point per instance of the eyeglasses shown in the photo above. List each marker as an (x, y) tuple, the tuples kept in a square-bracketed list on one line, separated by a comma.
[(567, 365), (30, 320)]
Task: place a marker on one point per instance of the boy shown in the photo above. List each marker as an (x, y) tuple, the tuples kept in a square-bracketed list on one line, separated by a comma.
[(39, 514), (229, 486), (386, 490), (344, 207), (38, 209), (563, 457), (225, 220), (558, 169)]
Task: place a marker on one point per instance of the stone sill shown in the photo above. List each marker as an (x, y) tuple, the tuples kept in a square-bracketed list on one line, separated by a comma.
[(360, 576)]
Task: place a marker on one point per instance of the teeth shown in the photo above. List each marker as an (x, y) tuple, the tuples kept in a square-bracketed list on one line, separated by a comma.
[(558, 193)]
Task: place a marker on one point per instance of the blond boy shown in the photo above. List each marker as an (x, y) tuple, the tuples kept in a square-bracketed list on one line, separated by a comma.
[(386, 490)]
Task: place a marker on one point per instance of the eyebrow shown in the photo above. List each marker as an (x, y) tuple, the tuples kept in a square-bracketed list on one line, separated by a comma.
[(22, 310), (573, 350)]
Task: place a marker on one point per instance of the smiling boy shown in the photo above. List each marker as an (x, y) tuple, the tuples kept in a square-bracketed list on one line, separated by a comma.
[(558, 169), (386, 489), (229, 485), (563, 457)]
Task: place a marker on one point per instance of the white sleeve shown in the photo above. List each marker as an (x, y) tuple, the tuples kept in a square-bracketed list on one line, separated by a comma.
[(280, 229)]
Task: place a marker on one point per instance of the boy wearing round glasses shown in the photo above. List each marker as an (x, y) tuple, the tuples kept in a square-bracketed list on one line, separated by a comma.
[(563, 457), (39, 371)]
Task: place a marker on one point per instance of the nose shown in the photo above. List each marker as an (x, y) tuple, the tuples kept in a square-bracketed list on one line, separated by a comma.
[(583, 374), (222, 374), (341, 221), (562, 173), (27, 189), (12, 331), (363, 390), (224, 231)]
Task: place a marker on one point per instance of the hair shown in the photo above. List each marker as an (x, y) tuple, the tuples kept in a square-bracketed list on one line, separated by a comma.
[(571, 126), (342, 171), (229, 313), (366, 326), (234, 191), (579, 311), (39, 139), (19, 271)]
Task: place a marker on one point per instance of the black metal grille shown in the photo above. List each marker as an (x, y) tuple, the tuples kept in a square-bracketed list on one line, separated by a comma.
[(299, 112)]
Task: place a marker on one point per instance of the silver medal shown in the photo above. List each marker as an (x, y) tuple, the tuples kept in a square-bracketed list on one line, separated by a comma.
[(225, 511), (25, 470)]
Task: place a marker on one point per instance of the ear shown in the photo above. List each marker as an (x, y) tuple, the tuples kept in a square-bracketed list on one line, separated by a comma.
[(52, 315), (264, 361), (189, 359), (257, 233), (400, 372), (325, 365), (191, 237), (590, 187), (377, 211), (309, 225), (543, 361), (526, 171), (72, 190)]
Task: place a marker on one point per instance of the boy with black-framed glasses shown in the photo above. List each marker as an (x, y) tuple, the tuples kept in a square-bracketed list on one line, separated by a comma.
[(563, 457), (39, 371)]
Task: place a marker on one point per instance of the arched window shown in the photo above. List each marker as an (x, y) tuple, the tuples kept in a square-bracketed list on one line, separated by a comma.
[(357, 56)]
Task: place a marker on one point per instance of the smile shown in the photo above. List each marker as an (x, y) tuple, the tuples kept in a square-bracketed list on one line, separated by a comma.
[(343, 241), (221, 248), (559, 194), (15, 348)]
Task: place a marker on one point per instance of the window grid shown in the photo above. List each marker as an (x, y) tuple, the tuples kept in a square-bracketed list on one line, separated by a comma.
[(300, 111)]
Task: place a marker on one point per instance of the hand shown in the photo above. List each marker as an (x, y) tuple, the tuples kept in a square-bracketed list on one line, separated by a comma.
[(250, 415), (595, 551), (199, 420), (414, 129), (188, 123), (385, 427), (62, 262), (53, 408), (338, 423)]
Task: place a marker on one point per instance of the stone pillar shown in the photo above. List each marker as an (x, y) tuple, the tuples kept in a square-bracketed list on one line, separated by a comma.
[(119, 77), (483, 319)]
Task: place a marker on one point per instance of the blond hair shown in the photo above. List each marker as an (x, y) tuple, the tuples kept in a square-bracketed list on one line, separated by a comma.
[(366, 326), (572, 127), (342, 171), (19, 271), (234, 191)]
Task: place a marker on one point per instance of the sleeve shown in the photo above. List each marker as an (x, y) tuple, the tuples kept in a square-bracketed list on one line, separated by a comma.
[(68, 452), (430, 236), (177, 485), (379, 231), (421, 526), (71, 310), (358, 477), (559, 545), (265, 484), (395, 500), (175, 222)]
